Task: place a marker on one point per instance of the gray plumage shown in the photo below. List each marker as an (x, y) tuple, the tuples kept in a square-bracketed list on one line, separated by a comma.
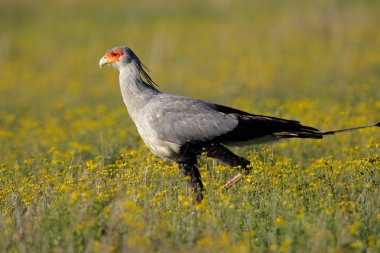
[(181, 128)]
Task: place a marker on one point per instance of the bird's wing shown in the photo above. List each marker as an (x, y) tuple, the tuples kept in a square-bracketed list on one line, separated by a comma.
[(185, 120), (255, 127)]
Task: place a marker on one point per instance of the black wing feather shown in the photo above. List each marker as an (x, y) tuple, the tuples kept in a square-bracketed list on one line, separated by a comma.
[(253, 126)]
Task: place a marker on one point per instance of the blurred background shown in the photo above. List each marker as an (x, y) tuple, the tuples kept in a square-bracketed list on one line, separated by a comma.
[(314, 61), (76, 177)]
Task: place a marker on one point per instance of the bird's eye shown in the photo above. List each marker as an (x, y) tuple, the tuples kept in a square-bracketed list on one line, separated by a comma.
[(115, 54)]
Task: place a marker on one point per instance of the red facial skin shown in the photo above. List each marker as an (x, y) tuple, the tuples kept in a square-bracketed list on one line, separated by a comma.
[(114, 55)]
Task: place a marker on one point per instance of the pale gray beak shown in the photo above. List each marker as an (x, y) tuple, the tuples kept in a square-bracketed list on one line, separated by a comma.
[(103, 61)]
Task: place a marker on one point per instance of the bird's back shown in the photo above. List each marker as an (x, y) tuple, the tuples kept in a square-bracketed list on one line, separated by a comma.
[(184, 120)]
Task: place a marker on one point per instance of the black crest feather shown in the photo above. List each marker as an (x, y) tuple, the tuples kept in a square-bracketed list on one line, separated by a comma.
[(141, 67), (143, 71)]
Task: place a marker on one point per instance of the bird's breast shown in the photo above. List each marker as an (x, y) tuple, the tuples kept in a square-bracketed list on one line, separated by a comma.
[(163, 149)]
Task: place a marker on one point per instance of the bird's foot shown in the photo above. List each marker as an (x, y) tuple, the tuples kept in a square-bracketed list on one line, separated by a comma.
[(232, 181)]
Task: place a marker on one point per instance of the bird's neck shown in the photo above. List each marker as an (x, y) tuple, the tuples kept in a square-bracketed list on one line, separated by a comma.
[(136, 93)]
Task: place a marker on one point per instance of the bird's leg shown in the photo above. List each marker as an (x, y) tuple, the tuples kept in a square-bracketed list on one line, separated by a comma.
[(190, 169), (223, 154)]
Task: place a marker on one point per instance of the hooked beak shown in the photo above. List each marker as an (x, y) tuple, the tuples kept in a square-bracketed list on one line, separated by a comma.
[(103, 61)]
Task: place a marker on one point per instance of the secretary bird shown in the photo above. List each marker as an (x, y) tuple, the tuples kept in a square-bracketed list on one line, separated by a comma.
[(181, 128)]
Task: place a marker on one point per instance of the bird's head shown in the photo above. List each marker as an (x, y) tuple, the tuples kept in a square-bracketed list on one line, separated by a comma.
[(119, 57)]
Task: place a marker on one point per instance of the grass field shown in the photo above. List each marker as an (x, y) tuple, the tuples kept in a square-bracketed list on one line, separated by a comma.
[(75, 176)]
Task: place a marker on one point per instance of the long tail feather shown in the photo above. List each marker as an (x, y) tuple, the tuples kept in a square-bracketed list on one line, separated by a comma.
[(349, 129)]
